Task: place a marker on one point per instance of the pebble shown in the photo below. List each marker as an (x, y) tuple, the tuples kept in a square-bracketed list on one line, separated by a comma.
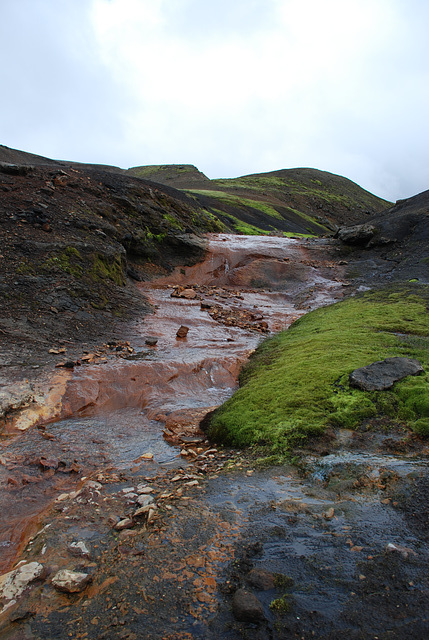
[(144, 489), (71, 581), (126, 523), (144, 500), (79, 549)]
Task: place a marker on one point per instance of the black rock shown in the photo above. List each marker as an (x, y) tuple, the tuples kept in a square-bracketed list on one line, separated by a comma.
[(359, 234), (384, 373), (246, 607)]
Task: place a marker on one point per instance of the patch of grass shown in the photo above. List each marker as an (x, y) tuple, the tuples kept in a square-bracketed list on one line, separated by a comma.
[(238, 201), (296, 384), (172, 221), (108, 268), (281, 605), (283, 582), (308, 218), (25, 268), (68, 261)]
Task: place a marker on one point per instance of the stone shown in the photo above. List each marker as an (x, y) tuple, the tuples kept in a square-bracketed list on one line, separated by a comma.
[(261, 579), (144, 500), (246, 607), (14, 583), (79, 549), (189, 294), (151, 341), (405, 552), (126, 523), (15, 169), (359, 234), (182, 332), (71, 581), (15, 396), (144, 489), (383, 374), (145, 510)]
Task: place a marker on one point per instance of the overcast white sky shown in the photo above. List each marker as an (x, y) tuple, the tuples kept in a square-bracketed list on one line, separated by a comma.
[(232, 86)]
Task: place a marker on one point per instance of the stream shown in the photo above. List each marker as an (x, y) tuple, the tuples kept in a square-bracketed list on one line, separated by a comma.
[(121, 420)]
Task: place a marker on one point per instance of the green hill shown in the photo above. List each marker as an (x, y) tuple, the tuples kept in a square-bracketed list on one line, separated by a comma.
[(291, 201)]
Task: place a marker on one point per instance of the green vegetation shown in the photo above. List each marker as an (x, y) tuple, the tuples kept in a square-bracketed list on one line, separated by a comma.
[(68, 261), (238, 201), (296, 383), (108, 268), (281, 605)]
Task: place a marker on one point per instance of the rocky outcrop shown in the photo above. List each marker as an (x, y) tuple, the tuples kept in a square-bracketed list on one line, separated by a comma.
[(383, 374)]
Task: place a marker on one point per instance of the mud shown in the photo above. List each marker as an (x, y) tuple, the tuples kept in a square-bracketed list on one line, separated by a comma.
[(322, 527)]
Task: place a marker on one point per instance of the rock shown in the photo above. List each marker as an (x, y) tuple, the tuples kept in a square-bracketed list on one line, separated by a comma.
[(144, 500), (151, 341), (404, 551), (15, 396), (145, 510), (14, 583), (71, 581), (144, 489), (383, 374), (189, 294), (359, 234), (126, 523), (246, 607), (261, 579), (182, 332), (79, 549), (15, 169), (329, 514), (147, 456)]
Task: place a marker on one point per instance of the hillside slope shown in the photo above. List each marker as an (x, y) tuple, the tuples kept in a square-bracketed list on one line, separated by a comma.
[(73, 242), (293, 201)]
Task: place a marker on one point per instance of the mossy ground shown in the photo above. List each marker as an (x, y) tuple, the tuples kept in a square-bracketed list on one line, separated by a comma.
[(296, 384)]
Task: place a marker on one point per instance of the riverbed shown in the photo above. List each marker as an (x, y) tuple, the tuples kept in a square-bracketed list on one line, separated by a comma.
[(124, 421)]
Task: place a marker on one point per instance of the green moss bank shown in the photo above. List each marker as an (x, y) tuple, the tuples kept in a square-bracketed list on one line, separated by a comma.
[(296, 383)]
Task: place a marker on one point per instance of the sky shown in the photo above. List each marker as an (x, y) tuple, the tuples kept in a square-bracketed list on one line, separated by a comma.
[(232, 86)]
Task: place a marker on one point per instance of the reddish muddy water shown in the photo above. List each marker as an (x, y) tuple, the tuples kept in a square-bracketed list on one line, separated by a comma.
[(114, 413)]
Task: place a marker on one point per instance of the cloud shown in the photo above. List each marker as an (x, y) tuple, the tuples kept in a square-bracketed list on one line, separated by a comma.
[(234, 87)]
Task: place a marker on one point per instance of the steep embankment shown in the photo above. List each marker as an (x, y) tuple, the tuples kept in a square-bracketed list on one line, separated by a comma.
[(392, 245), (292, 201), (71, 240)]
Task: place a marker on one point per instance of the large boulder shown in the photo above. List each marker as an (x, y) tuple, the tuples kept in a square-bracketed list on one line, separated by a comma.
[(359, 234), (384, 373)]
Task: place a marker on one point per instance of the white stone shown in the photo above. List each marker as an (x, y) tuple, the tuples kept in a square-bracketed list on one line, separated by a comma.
[(70, 581), (14, 583), (79, 549)]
